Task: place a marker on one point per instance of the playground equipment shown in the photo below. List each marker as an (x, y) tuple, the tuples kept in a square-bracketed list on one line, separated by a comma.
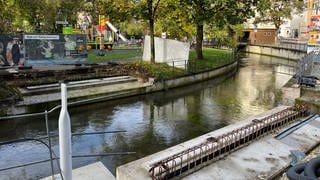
[(115, 30), (100, 35), (104, 35)]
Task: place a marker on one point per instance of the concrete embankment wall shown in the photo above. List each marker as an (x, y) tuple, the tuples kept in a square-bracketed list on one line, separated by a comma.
[(186, 80), (275, 51), (80, 96)]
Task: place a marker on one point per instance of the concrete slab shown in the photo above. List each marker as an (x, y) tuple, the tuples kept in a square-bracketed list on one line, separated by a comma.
[(95, 171), (303, 137), (315, 123), (86, 91), (83, 82), (55, 87), (257, 161), (260, 160)]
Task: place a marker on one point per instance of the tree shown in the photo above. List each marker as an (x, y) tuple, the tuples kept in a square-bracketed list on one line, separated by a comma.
[(230, 15), (220, 12), (200, 11), (132, 27), (147, 10), (39, 14), (278, 11), (6, 16), (221, 35), (152, 9), (175, 20), (69, 10)]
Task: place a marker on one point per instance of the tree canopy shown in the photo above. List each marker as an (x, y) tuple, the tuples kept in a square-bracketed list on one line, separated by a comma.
[(181, 19), (219, 14), (6, 16), (278, 11)]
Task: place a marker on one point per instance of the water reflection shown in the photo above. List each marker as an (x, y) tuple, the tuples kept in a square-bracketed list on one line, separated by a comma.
[(152, 122)]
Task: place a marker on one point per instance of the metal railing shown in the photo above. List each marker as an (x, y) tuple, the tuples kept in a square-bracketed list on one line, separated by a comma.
[(189, 67), (194, 66), (52, 155), (214, 148)]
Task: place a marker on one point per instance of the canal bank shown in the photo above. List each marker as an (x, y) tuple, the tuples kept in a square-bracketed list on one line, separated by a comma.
[(44, 97), (295, 52)]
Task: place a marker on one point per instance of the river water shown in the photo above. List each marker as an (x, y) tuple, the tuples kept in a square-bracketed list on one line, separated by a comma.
[(152, 122)]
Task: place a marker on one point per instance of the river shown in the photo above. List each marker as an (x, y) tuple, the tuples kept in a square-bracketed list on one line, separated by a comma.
[(152, 122)]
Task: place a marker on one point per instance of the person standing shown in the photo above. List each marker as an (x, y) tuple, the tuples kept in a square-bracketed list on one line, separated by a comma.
[(21, 60), (15, 53), (9, 52)]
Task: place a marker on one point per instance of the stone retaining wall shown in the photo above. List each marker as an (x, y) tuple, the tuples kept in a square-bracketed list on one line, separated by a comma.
[(275, 51), (186, 80)]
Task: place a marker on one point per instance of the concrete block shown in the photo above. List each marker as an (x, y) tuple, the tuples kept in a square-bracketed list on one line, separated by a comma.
[(95, 171), (167, 51)]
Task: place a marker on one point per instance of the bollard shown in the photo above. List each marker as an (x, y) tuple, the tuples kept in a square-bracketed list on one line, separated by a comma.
[(65, 136)]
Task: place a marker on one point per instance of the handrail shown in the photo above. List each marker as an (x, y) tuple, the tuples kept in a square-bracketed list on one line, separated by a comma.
[(49, 136), (56, 135), (32, 163), (56, 157), (29, 114), (76, 156)]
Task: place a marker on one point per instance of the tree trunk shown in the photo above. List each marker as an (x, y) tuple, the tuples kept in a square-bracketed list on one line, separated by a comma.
[(277, 34), (152, 57), (151, 26), (199, 39)]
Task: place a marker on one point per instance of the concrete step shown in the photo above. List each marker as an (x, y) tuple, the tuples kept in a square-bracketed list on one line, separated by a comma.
[(51, 88), (125, 87)]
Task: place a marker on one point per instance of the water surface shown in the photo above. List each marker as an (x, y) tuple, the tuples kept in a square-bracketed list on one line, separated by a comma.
[(152, 122)]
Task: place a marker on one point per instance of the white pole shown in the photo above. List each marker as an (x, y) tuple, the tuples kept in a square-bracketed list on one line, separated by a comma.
[(65, 136)]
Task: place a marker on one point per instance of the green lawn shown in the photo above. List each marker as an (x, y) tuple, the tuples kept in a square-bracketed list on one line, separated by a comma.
[(213, 58), (158, 71), (116, 54), (108, 57), (211, 54)]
